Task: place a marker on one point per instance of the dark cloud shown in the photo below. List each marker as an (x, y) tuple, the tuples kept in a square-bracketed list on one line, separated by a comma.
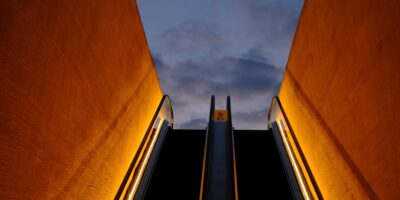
[(238, 48), (251, 119), (229, 74), (244, 79), (256, 55), (199, 123)]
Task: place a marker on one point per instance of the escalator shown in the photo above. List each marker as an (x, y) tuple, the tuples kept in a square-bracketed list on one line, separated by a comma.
[(177, 174), (218, 162), (259, 168)]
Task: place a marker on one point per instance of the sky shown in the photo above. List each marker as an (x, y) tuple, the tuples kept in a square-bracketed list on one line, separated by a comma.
[(220, 47)]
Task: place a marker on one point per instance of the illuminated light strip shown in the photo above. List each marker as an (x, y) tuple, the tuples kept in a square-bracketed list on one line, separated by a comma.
[(294, 163), (132, 176), (234, 168), (144, 163), (203, 170)]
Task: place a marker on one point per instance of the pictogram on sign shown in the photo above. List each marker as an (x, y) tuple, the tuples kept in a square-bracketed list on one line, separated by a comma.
[(220, 115)]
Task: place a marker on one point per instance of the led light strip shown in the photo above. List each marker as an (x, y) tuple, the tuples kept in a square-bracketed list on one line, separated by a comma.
[(144, 163), (293, 161), (234, 168)]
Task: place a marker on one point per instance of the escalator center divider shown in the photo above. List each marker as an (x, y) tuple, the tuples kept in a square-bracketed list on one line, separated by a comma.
[(219, 178)]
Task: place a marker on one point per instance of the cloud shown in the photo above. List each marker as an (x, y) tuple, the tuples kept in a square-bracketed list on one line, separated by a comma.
[(238, 48), (272, 25), (190, 85), (199, 123), (256, 119), (232, 75), (256, 55), (191, 40)]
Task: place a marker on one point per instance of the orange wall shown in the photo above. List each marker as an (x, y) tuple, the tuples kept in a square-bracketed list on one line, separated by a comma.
[(341, 92), (78, 90)]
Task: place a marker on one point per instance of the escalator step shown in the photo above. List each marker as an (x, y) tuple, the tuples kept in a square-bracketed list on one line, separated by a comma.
[(177, 174), (260, 174)]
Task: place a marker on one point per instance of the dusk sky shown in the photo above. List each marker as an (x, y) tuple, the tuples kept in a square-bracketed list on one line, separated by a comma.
[(236, 48)]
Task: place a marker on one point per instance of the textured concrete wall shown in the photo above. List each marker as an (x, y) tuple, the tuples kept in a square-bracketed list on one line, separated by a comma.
[(341, 92), (77, 91)]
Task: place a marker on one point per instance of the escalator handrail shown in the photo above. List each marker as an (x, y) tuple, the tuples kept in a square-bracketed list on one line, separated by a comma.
[(124, 184), (233, 178), (210, 130), (314, 184)]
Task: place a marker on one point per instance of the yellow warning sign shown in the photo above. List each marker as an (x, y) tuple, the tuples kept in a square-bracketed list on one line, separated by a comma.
[(220, 115)]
